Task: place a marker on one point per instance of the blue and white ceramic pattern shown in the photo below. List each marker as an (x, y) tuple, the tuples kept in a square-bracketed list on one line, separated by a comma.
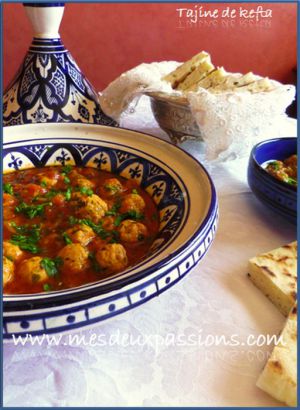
[(277, 195), (181, 188), (49, 86)]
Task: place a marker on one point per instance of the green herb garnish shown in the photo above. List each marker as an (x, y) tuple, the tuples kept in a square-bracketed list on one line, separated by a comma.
[(67, 238), (51, 265), (86, 191), (135, 191), (8, 188), (67, 180), (31, 211), (95, 265), (114, 209), (27, 237), (291, 181), (136, 216), (47, 287), (68, 194), (111, 188), (66, 169)]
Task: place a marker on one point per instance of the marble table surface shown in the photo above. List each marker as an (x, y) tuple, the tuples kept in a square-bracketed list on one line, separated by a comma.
[(166, 352)]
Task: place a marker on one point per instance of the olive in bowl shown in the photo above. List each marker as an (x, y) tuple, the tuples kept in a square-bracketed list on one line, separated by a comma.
[(272, 175)]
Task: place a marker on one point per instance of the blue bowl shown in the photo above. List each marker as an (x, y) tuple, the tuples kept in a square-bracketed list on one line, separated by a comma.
[(277, 195), (188, 212)]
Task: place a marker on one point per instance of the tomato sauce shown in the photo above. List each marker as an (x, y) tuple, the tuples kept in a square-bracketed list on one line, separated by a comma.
[(68, 226)]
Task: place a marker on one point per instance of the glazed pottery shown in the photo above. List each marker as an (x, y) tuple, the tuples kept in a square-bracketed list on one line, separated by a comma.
[(179, 185), (49, 86)]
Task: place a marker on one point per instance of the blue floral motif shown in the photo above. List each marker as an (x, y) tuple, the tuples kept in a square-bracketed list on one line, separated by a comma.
[(51, 80), (38, 150), (122, 156), (63, 157), (175, 192), (84, 112), (39, 115), (15, 163), (157, 190), (101, 160), (168, 214), (135, 172), (83, 149)]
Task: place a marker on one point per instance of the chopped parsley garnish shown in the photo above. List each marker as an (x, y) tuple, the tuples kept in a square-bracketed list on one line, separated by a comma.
[(95, 265), (85, 190), (31, 211), (291, 181), (115, 237), (66, 169), (111, 188), (135, 191), (114, 209), (27, 237), (68, 193), (67, 238), (8, 189), (51, 265), (67, 180), (44, 183), (97, 228), (274, 165), (136, 216), (47, 287), (52, 193)]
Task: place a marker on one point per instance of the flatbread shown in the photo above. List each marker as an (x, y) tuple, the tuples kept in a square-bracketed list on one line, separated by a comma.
[(275, 274), (177, 76), (200, 72), (279, 376)]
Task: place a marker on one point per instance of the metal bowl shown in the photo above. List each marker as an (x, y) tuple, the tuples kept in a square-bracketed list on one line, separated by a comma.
[(174, 116)]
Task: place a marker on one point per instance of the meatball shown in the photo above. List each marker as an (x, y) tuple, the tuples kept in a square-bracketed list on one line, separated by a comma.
[(48, 182), (90, 207), (75, 258), (11, 251), (32, 270), (8, 209), (108, 223), (8, 270), (82, 234), (80, 181), (132, 231), (111, 187), (112, 257), (132, 202)]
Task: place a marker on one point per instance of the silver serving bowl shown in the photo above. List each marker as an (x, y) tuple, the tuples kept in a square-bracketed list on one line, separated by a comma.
[(174, 116)]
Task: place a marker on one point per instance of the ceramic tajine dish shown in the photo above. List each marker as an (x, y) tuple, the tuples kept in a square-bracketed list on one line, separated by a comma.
[(277, 195), (179, 185), (49, 86)]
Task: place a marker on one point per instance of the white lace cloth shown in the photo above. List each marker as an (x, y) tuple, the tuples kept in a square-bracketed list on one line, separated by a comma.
[(161, 368), (230, 122)]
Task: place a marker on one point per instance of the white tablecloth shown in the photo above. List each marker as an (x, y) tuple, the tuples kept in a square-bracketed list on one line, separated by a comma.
[(165, 353)]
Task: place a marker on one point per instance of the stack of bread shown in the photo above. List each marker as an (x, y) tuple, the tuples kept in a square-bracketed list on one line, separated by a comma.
[(199, 72), (275, 274)]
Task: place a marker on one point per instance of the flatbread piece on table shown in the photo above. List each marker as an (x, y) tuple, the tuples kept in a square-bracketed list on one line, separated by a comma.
[(275, 274), (279, 376)]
